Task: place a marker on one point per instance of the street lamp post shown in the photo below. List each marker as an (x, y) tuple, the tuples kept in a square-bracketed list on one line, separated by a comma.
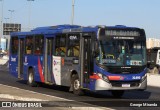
[(5, 24), (1, 22), (72, 19), (6, 20), (11, 15), (29, 13)]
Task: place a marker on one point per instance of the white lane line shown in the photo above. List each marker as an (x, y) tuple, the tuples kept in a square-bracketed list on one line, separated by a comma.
[(37, 93), (29, 99), (8, 96)]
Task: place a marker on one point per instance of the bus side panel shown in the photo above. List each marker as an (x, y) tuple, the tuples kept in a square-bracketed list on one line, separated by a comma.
[(67, 68), (13, 65), (57, 69), (93, 78), (50, 69), (25, 68), (36, 63)]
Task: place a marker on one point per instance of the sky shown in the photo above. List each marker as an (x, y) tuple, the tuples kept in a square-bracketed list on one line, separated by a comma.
[(135, 13)]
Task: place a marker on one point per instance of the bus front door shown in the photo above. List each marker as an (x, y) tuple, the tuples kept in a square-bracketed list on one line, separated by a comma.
[(85, 60), (48, 60), (21, 58)]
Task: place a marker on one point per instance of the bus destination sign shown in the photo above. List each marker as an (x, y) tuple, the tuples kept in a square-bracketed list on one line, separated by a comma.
[(121, 33)]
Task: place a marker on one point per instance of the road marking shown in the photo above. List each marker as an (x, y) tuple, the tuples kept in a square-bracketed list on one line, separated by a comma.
[(34, 99), (12, 97), (37, 93)]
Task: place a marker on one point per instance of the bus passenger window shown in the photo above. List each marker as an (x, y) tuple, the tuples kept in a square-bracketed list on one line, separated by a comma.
[(70, 52), (14, 47), (60, 46), (29, 45), (60, 51), (73, 51), (39, 42), (76, 51), (73, 46)]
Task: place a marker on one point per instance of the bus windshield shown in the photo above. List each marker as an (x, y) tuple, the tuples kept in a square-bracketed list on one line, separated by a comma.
[(122, 52)]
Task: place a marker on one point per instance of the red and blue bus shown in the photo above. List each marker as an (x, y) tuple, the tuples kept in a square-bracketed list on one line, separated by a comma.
[(100, 58)]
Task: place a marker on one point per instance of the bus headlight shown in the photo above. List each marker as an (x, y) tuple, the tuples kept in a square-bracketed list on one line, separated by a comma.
[(144, 77), (104, 77)]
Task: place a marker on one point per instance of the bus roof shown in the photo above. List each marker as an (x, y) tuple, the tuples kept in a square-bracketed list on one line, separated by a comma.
[(121, 27), (55, 29), (66, 29)]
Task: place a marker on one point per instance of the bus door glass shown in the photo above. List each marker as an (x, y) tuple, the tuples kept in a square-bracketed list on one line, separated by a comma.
[(48, 59), (14, 55), (20, 57), (59, 70), (85, 59)]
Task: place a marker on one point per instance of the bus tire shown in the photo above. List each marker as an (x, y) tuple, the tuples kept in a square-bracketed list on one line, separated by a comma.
[(76, 85), (117, 93), (31, 81)]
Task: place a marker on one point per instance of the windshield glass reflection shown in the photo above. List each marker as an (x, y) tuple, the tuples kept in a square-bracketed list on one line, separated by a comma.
[(121, 52)]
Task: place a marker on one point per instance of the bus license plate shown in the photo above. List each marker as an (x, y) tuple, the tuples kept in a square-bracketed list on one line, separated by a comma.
[(125, 85)]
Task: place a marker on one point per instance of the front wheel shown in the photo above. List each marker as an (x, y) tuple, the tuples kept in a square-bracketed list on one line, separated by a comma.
[(117, 93), (76, 85), (31, 81)]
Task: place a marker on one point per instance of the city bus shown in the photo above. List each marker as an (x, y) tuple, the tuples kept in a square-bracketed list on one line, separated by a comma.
[(94, 58)]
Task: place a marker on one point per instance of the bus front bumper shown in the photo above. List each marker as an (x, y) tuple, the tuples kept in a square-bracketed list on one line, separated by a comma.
[(103, 85)]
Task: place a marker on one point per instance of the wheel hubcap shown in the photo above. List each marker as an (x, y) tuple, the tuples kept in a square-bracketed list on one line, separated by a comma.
[(76, 84), (30, 78)]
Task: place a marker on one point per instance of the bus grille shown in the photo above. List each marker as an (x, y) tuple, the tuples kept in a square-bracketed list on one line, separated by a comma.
[(119, 83)]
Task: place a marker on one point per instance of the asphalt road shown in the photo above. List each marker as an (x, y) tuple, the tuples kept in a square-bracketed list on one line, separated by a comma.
[(99, 99)]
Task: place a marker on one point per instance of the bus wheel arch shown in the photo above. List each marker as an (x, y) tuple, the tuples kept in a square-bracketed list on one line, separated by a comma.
[(75, 84), (31, 81), (71, 75)]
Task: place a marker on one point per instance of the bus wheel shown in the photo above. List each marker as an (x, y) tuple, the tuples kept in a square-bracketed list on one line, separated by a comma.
[(117, 93), (31, 81), (76, 85)]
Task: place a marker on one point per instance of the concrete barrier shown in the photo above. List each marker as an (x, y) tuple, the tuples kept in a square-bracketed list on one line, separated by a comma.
[(4, 60), (153, 80)]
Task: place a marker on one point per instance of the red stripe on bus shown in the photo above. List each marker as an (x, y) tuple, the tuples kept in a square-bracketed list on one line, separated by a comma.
[(95, 76), (40, 70), (114, 77)]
